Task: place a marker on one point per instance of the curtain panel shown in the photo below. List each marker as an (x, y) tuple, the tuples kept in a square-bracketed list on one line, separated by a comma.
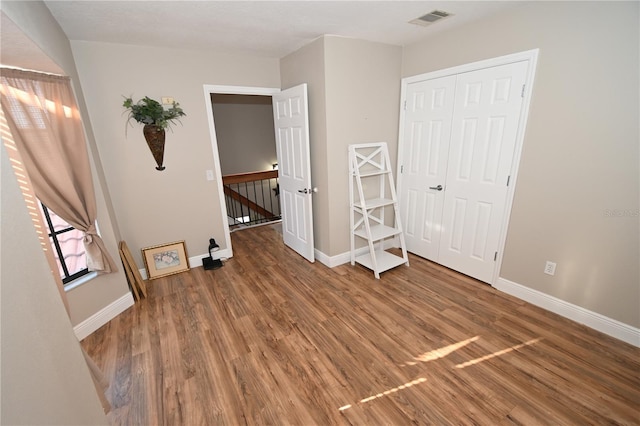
[(45, 122)]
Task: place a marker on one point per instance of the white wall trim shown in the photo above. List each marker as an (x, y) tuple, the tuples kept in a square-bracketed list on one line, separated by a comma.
[(527, 55), (241, 90), (103, 316), (195, 261), (337, 260), (323, 258), (342, 258), (576, 313)]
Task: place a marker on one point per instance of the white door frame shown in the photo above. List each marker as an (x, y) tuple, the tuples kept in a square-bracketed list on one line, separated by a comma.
[(227, 90), (532, 57)]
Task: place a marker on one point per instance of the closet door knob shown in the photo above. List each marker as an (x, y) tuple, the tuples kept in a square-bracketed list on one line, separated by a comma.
[(437, 188)]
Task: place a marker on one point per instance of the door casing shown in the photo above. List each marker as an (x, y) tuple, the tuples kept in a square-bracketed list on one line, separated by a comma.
[(532, 57)]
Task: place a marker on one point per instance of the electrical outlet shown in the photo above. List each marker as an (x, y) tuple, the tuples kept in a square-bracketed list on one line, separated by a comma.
[(550, 268)]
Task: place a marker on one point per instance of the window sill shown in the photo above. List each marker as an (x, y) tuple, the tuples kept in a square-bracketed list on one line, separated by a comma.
[(78, 282)]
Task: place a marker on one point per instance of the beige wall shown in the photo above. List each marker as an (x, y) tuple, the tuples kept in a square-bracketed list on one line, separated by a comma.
[(363, 103), (307, 65), (576, 201), (245, 133), (44, 378), (354, 95), (155, 207), (35, 20)]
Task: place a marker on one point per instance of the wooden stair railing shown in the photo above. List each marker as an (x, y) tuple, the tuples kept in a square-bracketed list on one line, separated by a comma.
[(249, 177), (245, 178)]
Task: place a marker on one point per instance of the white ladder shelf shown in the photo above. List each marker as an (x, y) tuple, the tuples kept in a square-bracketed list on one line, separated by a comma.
[(370, 171)]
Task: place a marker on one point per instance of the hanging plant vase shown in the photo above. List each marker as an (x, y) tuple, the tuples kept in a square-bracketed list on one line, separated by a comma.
[(156, 118), (155, 136)]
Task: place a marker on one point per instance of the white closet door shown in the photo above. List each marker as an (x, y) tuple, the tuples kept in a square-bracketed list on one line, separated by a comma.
[(483, 137), (427, 130)]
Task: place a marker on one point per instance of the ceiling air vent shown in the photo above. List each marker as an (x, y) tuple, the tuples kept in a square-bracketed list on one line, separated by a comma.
[(430, 18)]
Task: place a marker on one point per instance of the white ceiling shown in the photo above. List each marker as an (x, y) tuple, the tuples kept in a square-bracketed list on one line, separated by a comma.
[(265, 28)]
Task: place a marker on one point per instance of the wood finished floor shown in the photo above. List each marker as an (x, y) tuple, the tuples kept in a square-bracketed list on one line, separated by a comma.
[(270, 339)]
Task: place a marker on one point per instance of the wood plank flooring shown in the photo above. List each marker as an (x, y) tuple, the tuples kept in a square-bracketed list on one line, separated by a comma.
[(272, 339)]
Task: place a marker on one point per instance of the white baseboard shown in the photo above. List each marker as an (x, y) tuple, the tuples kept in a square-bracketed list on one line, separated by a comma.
[(342, 258), (576, 313), (195, 261), (337, 260), (103, 316)]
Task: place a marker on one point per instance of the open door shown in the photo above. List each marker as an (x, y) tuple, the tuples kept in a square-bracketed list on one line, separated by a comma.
[(291, 122)]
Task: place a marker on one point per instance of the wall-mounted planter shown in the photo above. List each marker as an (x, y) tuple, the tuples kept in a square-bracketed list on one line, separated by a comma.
[(155, 119), (155, 137)]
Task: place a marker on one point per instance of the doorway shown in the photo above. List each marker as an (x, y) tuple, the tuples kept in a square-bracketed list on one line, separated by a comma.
[(209, 91), (248, 158), (291, 128)]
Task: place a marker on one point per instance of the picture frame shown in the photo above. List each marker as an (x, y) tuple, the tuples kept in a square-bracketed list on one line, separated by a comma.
[(165, 259)]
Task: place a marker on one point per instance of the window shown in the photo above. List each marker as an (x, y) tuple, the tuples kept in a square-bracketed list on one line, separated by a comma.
[(45, 128), (67, 245)]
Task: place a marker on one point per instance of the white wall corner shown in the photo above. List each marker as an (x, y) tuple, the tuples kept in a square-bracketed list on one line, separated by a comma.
[(576, 313), (103, 316)]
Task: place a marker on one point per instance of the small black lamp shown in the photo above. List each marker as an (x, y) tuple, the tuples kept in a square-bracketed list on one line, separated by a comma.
[(210, 262)]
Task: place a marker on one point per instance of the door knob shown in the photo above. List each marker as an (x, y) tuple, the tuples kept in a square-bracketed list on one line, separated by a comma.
[(437, 188), (304, 191)]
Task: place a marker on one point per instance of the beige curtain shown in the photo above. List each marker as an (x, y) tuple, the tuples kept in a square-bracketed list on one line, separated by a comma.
[(44, 120), (29, 126)]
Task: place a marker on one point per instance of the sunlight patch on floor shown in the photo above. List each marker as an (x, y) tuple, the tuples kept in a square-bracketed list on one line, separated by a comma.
[(387, 392), (498, 353), (441, 352)]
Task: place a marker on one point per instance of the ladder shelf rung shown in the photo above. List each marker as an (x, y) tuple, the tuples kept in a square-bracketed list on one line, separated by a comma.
[(384, 260), (378, 232), (373, 173), (373, 203)]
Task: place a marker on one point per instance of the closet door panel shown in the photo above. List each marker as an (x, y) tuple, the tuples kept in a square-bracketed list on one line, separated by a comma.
[(484, 128), (427, 130)]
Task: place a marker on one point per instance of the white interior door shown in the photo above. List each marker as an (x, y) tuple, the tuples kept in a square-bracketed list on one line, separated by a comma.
[(459, 134), (483, 137), (427, 130), (291, 121)]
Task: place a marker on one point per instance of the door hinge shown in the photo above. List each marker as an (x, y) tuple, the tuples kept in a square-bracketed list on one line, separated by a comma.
[(522, 94), (405, 105), (401, 169), (495, 256), (508, 179)]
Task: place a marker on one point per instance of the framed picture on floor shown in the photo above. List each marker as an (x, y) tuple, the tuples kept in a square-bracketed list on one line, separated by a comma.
[(165, 259)]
